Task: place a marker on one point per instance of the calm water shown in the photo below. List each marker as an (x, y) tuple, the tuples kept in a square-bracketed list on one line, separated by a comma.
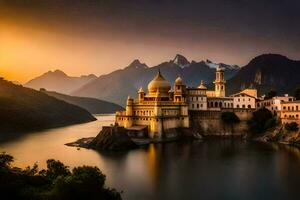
[(214, 169)]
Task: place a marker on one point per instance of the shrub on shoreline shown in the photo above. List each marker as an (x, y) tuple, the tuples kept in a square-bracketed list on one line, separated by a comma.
[(55, 182)]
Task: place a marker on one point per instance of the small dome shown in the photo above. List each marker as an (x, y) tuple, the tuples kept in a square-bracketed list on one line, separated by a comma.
[(178, 81), (202, 86), (141, 90), (159, 84)]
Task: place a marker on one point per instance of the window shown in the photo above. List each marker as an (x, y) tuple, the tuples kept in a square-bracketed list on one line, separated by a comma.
[(238, 106), (192, 105), (243, 106), (249, 106), (197, 105)]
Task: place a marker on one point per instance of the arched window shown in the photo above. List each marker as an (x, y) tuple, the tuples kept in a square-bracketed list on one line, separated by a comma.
[(238, 106), (216, 104), (220, 104), (249, 106), (243, 106)]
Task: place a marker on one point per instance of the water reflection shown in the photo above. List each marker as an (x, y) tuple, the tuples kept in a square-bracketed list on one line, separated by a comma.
[(211, 169)]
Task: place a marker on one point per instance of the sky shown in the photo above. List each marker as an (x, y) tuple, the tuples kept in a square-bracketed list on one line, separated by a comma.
[(100, 36)]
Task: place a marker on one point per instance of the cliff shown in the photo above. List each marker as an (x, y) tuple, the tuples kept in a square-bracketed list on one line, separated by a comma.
[(112, 138)]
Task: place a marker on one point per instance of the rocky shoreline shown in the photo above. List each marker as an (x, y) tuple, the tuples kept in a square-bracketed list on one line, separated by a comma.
[(280, 135), (115, 138)]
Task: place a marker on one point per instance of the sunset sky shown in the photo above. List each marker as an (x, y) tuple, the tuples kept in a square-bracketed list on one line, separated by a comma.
[(99, 36)]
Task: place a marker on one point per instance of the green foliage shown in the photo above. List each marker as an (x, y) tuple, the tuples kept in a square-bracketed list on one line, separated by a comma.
[(55, 182), (297, 93), (293, 126), (230, 118), (271, 94), (5, 160), (261, 121), (270, 123), (56, 168)]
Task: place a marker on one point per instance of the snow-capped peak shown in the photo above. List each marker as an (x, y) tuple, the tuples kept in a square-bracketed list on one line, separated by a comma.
[(213, 65), (181, 61)]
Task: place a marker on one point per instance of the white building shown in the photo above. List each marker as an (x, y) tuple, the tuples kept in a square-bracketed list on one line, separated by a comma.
[(244, 100)]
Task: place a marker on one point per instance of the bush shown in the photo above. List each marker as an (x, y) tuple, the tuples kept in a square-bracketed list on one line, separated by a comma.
[(293, 126), (55, 182), (261, 121), (230, 118)]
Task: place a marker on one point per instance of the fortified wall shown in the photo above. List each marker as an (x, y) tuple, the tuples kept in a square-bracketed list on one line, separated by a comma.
[(210, 123)]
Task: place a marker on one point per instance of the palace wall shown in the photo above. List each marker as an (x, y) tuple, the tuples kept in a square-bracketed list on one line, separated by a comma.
[(210, 123)]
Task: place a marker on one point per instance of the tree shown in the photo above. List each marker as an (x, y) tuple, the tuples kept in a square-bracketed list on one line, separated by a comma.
[(5, 160), (230, 118), (297, 93), (260, 121), (56, 168), (56, 182), (293, 126), (82, 182), (272, 93)]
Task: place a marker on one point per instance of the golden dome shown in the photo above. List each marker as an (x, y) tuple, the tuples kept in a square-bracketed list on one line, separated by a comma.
[(178, 81), (202, 86), (159, 84)]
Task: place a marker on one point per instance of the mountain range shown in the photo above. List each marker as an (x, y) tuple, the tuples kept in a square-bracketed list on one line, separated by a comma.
[(116, 86), (264, 72), (59, 81), (24, 109), (94, 106)]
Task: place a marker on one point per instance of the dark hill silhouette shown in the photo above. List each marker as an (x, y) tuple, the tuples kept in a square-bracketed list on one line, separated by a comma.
[(266, 72), (24, 109), (59, 81), (94, 106)]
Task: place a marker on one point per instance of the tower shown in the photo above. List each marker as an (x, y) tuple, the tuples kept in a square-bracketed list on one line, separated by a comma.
[(141, 94), (219, 82), (179, 90), (129, 112)]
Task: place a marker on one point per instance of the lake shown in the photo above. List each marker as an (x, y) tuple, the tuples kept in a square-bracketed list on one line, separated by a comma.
[(211, 169)]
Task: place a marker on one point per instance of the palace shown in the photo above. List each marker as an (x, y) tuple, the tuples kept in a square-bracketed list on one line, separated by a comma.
[(165, 107), (160, 109)]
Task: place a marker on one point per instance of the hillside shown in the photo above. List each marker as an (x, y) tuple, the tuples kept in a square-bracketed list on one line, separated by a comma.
[(265, 72), (59, 81), (94, 106), (24, 109), (116, 86)]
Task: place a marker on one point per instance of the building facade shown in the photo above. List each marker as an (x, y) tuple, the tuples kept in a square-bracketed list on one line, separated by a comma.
[(164, 107), (290, 112), (160, 109)]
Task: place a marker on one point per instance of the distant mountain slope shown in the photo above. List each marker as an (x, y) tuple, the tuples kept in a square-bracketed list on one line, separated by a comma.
[(59, 81), (265, 72), (116, 86), (92, 105), (24, 109)]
